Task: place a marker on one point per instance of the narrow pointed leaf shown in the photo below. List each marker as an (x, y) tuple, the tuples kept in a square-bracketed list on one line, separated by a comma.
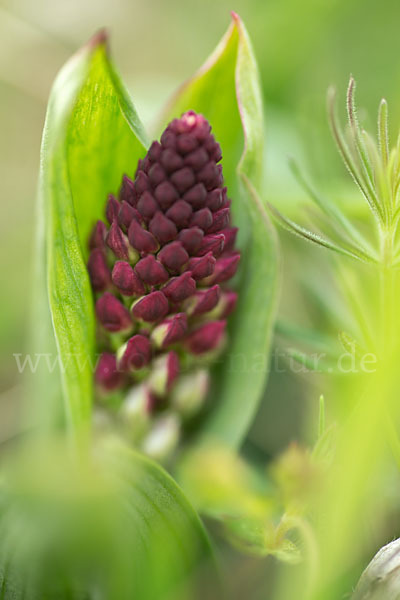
[(92, 136)]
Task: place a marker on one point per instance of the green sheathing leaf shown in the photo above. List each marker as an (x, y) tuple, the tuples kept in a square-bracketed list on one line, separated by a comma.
[(91, 137), (227, 91), (115, 527)]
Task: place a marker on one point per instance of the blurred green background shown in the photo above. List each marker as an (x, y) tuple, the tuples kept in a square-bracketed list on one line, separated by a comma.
[(301, 47)]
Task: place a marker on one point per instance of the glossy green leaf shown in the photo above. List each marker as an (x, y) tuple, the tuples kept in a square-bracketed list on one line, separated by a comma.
[(227, 91), (113, 526), (92, 136)]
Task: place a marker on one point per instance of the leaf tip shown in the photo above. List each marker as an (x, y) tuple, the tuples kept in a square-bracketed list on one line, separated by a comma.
[(100, 38)]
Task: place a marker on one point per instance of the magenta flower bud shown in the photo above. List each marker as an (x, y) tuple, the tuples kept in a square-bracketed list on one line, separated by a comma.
[(212, 243), (228, 304), (170, 331), (214, 199), (225, 268), (156, 174), (202, 266), (196, 196), (163, 228), (112, 314), (147, 205), (98, 236), (220, 220), (127, 214), (206, 300), (117, 241), (126, 280), (155, 151), (99, 272), (127, 192), (183, 179), (141, 183), (197, 158), (186, 143), (166, 194), (202, 218), (135, 354), (151, 271), (180, 288), (173, 256), (191, 239), (164, 373), (180, 213), (151, 308), (205, 338), (210, 175), (141, 239), (107, 375), (171, 160), (112, 208)]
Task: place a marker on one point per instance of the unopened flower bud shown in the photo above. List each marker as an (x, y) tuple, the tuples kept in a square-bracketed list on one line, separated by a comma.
[(225, 268), (98, 236), (135, 354), (112, 314), (135, 412), (151, 271), (126, 280), (162, 438), (112, 208), (141, 239), (117, 241), (205, 338), (173, 256), (202, 266), (170, 331), (204, 301), (98, 270), (163, 228), (212, 243), (127, 191), (180, 288), (151, 308)]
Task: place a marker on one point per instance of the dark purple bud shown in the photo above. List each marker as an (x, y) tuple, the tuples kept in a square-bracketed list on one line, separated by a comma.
[(196, 159), (206, 338), (202, 266), (230, 237), (186, 143), (127, 214), (107, 375), (155, 151), (168, 139), (210, 175), (206, 300), (163, 228), (117, 241), (112, 208), (112, 314), (127, 191), (170, 331), (180, 288), (141, 183), (183, 179), (196, 196), (98, 236), (147, 206), (214, 199), (180, 213), (214, 149), (98, 270), (225, 268), (136, 353), (203, 218), (141, 239), (170, 160), (125, 279), (151, 271), (173, 256), (166, 194), (191, 239), (220, 221), (156, 174), (212, 243), (151, 308)]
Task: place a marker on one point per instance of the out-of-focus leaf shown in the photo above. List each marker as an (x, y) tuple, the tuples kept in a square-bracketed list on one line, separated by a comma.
[(109, 526), (91, 137), (226, 90)]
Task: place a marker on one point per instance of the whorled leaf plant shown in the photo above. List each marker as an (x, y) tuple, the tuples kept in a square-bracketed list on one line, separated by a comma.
[(159, 268)]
